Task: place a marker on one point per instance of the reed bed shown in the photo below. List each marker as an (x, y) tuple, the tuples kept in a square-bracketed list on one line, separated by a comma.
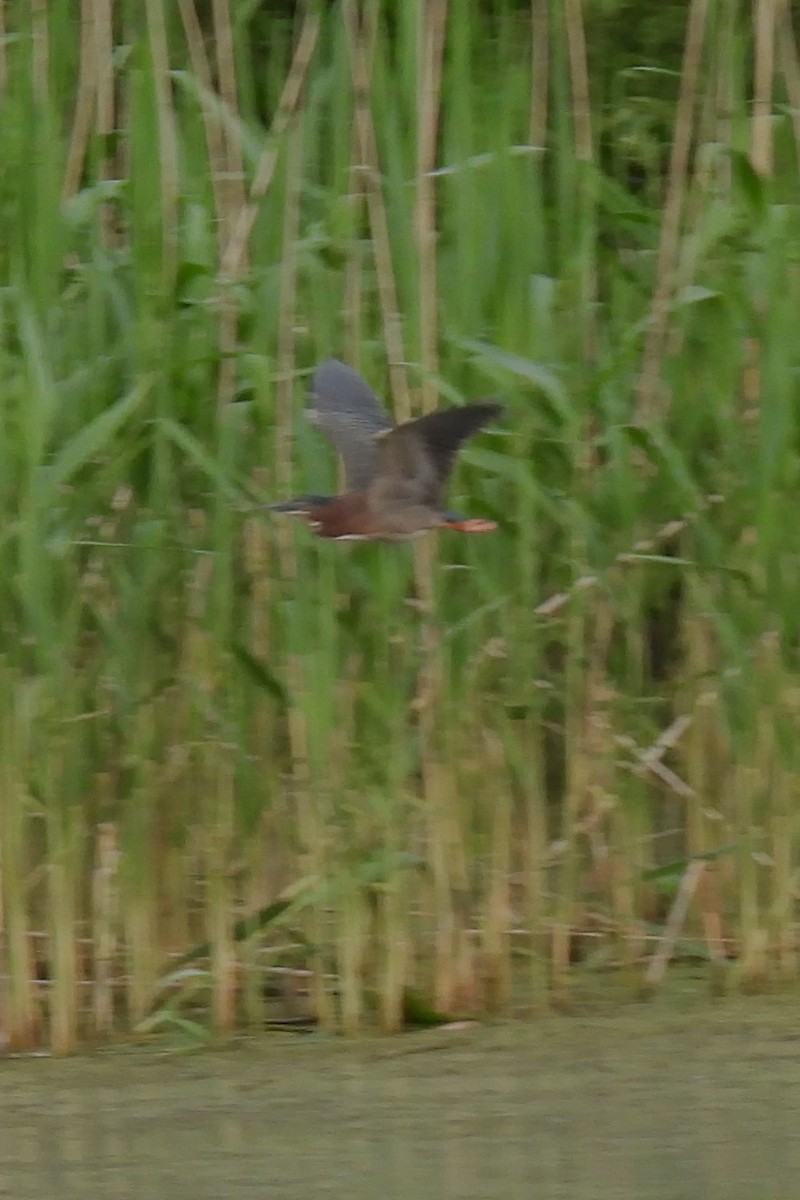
[(243, 772)]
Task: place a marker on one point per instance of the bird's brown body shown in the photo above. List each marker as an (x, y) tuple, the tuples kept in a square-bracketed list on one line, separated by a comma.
[(396, 475)]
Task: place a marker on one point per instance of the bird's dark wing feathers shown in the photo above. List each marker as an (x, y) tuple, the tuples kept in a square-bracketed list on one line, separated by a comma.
[(346, 409), (421, 453)]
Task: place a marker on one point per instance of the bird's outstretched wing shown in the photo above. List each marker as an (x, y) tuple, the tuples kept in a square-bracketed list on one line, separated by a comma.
[(346, 409), (416, 459)]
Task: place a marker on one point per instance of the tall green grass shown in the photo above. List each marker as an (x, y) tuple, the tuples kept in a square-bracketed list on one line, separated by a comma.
[(230, 754)]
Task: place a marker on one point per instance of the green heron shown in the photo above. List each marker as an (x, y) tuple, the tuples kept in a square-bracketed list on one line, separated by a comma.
[(395, 475)]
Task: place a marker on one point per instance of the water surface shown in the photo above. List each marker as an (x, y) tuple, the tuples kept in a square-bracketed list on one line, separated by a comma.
[(647, 1103)]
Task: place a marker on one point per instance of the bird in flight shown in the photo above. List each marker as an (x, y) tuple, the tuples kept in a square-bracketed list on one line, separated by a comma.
[(395, 475)]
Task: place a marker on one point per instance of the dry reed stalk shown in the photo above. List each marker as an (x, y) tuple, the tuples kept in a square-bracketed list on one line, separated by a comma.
[(213, 127), (84, 104), (578, 700), (354, 918), (534, 859), (778, 894), (540, 72), (95, 95), (136, 892), (628, 930), (176, 780), (707, 766), (104, 65), (761, 145), (104, 918), (677, 915), (707, 759), (139, 940), (465, 995), (356, 256), (226, 169), (21, 1017), (586, 698), (220, 776), (455, 984), (351, 949), (441, 896), (63, 997), (258, 889), (709, 900), (649, 761), (256, 545), (584, 153), (232, 198), (749, 786), (234, 179), (576, 786), (579, 80), (783, 838), (105, 104), (370, 165), (782, 841), (710, 171), (284, 388), (394, 940), (622, 856), (612, 859), (440, 801), (566, 899), (265, 866), (233, 190), (704, 752), (432, 29), (497, 963), (753, 965), (724, 98), (311, 829), (761, 157), (167, 139), (215, 773), (310, 822), (647, 400), (790, 66), (234, 252), (236, 214), (64, 864)]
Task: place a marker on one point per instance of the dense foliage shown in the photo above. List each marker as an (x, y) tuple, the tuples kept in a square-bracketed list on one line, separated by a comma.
[(393, 758)]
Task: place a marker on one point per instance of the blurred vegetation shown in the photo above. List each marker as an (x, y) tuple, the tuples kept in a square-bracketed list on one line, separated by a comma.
[(243, 772)]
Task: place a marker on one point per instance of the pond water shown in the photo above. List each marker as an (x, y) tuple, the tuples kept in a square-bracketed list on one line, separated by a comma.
[(644, 1103)]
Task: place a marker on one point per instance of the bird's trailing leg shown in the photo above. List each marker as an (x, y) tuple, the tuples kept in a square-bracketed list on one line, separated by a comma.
[(467, 524)]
